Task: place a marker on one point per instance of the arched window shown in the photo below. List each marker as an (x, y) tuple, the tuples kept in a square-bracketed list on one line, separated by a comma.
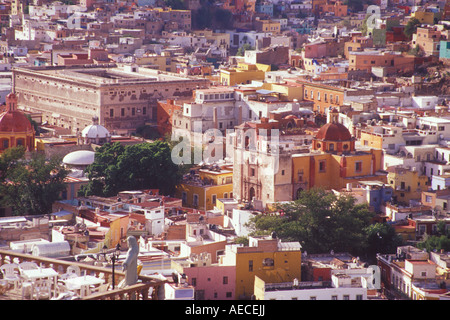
[(5, 143), (20, 142)]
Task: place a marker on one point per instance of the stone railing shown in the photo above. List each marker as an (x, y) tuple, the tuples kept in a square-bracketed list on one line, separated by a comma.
[(140, 290)]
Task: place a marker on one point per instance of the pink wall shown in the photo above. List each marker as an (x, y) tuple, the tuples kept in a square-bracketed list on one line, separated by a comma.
[(211, 280)]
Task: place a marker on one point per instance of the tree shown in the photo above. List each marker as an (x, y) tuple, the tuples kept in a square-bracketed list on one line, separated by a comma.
[(30, 186), (438, 241), (320, 221), (245, 47), (140, 166), (411, 27), (382, 238)]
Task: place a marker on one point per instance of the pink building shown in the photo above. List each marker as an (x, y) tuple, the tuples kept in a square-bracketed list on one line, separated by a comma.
[(211, 281)]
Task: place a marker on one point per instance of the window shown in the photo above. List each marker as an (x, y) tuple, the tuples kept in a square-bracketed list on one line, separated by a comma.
[(322, 164), (122, 112), (423, 274), (228, 294), (359, 297), (194, 281), (214, 198), (250, 265), (346, 297), (225, 280), (268, 262), (195, 200), (358, 166), (111, 113), (334, 297), (313, 298), (252, 172)]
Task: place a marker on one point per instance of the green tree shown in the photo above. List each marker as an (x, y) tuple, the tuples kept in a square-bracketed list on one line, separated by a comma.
[(381, 238), (245, 47), (140, 166), (30, 186), (363, 28), (435, 243), (320, 221), (438, 241), (411, 27)]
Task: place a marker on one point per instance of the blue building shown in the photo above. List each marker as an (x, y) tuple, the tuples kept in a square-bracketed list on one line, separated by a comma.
[(377, 193), (265, 7), (444, 49)]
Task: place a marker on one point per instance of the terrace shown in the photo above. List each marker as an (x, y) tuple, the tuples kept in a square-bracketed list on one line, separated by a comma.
[(146, 288)]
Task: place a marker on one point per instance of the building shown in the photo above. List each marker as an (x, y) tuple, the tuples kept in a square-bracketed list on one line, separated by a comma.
[(122, 98), (393, 62), (428, 39), (266, 258), (15, 128), (201, 188), (212, 281), (358, 43), (341, 287), (245, 73), (262, 155), (333, 161), (406, 184)]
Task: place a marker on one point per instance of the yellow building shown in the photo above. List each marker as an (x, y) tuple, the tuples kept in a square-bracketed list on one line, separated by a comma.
[(268, 26), (334, 162), (268, 259), (426, 17), (243, 74), (407, 184), (200, 190)]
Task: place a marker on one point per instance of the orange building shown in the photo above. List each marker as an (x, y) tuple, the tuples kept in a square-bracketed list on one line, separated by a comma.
[(428, 39), (334, 162), (164, 113), (321, 7), (15, 128), (323, 96), (392, 61), (358, 43)]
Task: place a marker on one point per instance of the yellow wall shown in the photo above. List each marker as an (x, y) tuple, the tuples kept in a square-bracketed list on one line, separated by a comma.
[(205, 194), (287, 267), (411, 180), (373, 141), (331, 177), (424, 17), (244, 73)]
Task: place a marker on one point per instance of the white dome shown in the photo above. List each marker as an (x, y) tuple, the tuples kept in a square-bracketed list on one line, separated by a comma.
[(79, 158), (94, 131)]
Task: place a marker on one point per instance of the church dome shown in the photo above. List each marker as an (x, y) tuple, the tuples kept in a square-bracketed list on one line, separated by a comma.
[(13, 120), (94, 131), (79, 158), (334, 132)]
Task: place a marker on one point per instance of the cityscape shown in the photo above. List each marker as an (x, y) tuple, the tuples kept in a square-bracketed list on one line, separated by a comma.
[(236, 150)]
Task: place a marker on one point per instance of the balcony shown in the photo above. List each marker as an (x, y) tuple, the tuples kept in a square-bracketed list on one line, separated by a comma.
[(146, 288)]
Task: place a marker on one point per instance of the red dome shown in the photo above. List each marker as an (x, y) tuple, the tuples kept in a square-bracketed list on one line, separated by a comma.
[(14, 121), (334, 132)]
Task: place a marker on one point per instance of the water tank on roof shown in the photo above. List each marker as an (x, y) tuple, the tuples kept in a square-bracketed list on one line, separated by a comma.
[(51, 249)]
